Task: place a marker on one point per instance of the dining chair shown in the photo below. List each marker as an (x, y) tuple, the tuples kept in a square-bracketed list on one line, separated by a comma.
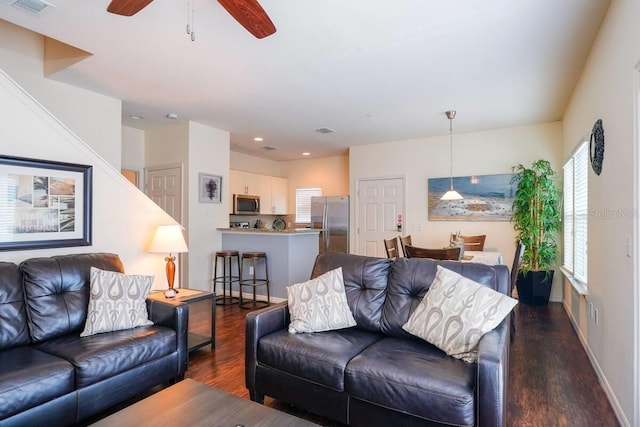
[(515, 267), (391, 245), (474, 243), (404, 241), (441, 254)]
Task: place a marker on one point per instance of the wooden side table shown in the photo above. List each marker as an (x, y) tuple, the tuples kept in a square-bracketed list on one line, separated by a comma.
[(202, 315)]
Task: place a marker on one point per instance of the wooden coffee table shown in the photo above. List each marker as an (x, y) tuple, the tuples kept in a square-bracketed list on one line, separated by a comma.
[(190, 403)]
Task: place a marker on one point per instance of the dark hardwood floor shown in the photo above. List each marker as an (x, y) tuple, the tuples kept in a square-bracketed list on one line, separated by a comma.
[(551, 381)]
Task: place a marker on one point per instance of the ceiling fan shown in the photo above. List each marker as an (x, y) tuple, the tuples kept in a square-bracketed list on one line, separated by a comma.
[(248, 13)]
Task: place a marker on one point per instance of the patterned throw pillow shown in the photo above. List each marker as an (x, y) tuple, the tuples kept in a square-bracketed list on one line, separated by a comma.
[(319, 304), (116, 302), (456, 312)]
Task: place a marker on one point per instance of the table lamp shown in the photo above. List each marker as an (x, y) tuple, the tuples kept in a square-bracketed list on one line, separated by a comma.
[(169, 239)]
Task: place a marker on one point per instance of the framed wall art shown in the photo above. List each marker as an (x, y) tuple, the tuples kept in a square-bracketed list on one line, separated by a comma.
[(485, 198), (210, 188), (44, 204)]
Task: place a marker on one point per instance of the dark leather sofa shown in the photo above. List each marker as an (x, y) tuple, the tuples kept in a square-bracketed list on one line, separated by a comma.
[(376, 374), (49, 375)]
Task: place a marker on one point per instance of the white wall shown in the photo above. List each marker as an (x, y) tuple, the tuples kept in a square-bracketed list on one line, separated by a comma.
[(28, 130), (330, 173), (477, 153), (132, 149), (249, 163), (199, 149), (607, 90), (208, 153), (95, 118)]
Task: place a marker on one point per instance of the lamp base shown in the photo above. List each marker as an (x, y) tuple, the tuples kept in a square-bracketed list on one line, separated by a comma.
[(170, 293)]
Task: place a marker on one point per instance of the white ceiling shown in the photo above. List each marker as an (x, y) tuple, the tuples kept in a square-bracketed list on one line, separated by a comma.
[(372, 70)]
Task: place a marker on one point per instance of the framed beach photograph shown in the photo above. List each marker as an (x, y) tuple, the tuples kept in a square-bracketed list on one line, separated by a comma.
[(44, 204), (485, 198), (210, 188)]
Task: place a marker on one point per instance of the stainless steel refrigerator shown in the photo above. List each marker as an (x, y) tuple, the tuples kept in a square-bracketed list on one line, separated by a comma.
[(331, 215)]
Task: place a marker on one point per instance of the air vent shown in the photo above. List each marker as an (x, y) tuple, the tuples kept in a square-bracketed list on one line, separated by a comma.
[(268, 148), (31, 6), (325, 130)]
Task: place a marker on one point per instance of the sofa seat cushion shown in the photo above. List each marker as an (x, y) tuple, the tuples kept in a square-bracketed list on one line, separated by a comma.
[(101, 356), (388, 374), (319, 357), (30, 377)]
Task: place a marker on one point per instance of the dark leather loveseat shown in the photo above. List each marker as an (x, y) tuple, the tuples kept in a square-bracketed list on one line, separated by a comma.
[(49, 375), (376, 374)]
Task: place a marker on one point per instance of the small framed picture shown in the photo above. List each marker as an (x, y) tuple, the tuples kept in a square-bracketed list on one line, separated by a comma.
[(210, 188)]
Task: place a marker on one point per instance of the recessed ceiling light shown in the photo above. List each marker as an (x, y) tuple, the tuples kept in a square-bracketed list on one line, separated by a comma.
[(306, 154), (258, 139), (172, 116), (136, 117)]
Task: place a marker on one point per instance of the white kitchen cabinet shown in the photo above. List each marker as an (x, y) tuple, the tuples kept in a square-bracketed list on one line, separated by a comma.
[(273, 195), (264, 191), (279, 195), (242, 183), (272, 190)]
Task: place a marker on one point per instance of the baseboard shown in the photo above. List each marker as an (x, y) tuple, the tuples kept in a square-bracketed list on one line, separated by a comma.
[(617, 409), (259, 297)]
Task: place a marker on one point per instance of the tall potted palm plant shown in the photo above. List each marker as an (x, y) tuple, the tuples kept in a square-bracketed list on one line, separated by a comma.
[(536, 220)]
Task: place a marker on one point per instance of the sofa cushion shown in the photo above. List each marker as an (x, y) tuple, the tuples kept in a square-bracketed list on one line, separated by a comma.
[(13, 315), (101, 356), (388, 374), (117, 301), (30, 377), (409, 281), (319, 304), (365, 282), (57, 291), (456, 313), (318, 357)]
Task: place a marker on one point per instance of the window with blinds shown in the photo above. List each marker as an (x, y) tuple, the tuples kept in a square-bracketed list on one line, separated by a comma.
[(576, 215), (303, 202)]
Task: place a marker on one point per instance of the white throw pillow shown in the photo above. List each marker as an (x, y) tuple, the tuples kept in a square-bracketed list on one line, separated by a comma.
[(116, 302), (319, 304), (456, 312)]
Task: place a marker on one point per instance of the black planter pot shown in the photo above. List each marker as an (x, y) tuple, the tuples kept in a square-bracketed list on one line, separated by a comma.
[(534, 287)]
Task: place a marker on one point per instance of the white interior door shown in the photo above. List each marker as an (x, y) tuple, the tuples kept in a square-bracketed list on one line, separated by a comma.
[(164, 187), (380, 211)]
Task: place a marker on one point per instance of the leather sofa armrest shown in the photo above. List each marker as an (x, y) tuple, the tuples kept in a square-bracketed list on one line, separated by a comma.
[(174, 315), (258, 324), (492, 381)]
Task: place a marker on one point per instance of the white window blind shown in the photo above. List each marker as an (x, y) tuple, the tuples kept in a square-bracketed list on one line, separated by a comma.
[(581, 173), (576, 215), (568, 216), (303, 202)]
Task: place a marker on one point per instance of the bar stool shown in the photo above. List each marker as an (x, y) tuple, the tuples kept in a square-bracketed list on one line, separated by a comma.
[(254, 259), (227, 278)]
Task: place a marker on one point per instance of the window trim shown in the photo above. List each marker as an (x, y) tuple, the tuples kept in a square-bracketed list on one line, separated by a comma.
[(578, 281), (317, 192)]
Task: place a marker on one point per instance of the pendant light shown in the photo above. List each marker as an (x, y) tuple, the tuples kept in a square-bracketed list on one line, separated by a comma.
[(451, 194)]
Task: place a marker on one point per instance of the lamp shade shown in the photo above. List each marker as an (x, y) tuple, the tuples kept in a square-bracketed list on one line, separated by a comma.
[(451, 195), (168, 239)]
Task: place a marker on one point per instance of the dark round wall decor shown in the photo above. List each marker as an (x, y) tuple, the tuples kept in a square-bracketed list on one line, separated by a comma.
[(596, 146)]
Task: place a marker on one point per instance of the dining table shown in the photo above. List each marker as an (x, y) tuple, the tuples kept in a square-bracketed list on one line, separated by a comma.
[(483, 257)]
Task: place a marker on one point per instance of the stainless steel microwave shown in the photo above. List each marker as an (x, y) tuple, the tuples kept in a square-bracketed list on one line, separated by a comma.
[(244, 204)]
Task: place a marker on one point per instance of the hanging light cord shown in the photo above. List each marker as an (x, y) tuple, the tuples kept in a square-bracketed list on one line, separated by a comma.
[(451, 114)]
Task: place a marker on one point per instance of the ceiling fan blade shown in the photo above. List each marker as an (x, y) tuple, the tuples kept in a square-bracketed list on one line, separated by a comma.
[(251, 16), (127, 7)]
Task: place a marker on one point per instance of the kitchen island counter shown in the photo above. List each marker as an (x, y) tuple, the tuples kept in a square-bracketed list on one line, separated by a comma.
[(290, 254)]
